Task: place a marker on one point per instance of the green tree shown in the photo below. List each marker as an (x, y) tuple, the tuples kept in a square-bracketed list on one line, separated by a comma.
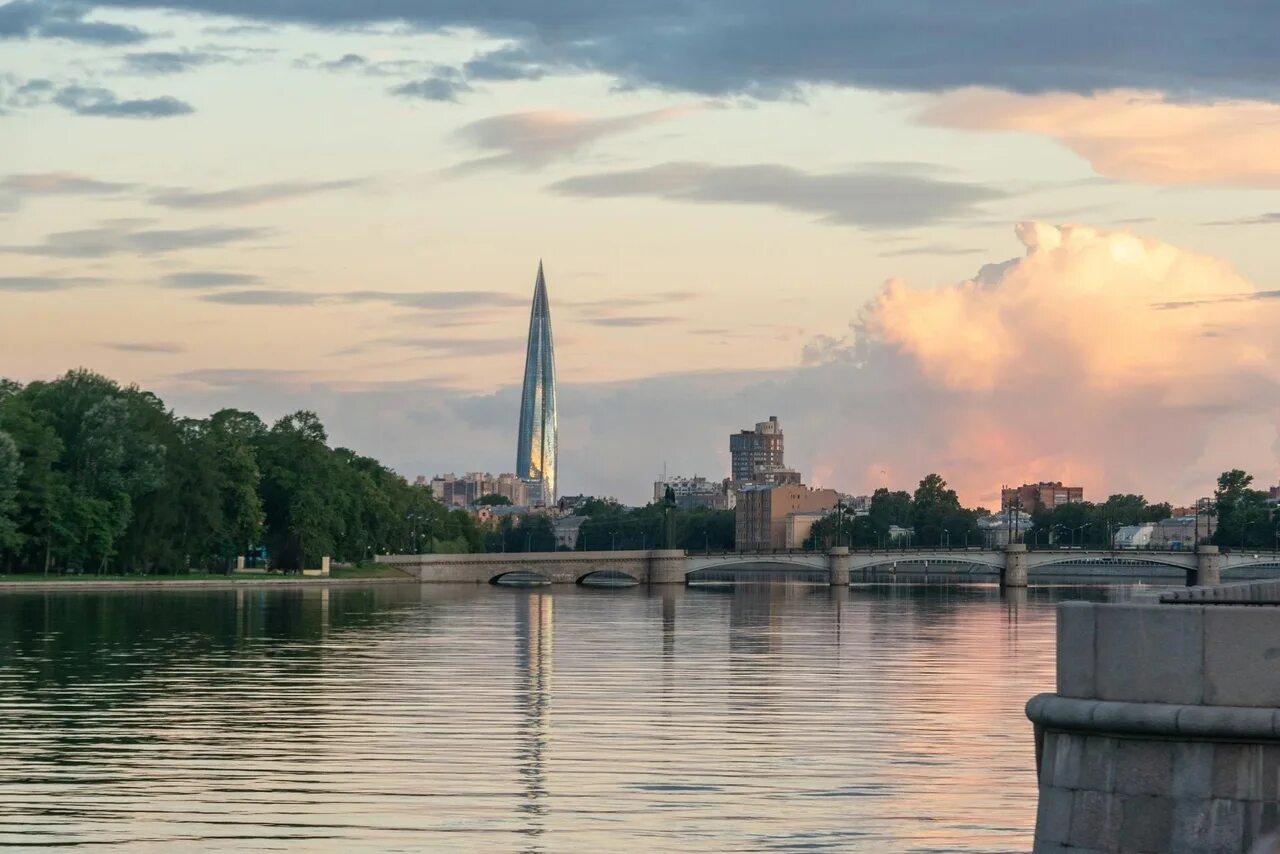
[(10, 472), (493, 500)]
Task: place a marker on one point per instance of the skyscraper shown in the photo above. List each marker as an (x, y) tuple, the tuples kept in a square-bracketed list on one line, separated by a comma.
[(536, 444)]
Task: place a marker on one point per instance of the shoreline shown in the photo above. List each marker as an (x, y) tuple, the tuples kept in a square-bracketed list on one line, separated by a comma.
[(194, 584)]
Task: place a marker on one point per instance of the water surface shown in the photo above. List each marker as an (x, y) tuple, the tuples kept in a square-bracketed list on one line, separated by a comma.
[(407, 718)]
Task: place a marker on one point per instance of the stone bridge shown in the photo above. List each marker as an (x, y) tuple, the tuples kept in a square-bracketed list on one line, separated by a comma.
[(1014, 565)]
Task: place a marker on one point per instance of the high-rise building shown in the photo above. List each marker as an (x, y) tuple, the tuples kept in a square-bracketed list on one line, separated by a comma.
[(536, 445), (756, 455)]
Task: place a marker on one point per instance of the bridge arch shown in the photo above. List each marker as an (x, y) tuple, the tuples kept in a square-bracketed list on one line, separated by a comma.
[(607, 578), (521, 578), (916, 562), (760, 568)]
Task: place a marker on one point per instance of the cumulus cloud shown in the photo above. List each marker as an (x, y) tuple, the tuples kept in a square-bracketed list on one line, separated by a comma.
[(96, 101), (534, 138), (871, 198), (256, 194), (774, 49), (1139, 136)]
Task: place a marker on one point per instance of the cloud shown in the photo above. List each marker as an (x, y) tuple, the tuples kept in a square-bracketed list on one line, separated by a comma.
[(1057, 365), (429, 300), (434, 346), (161, 62), (776, 50), (127, 237), (43, 284), (262, 297), (443, 88), (144, 347), (1138, 136), (257, 194), (62, 20), (1272, 218), (631, 322), (534, 138), (95, 101), (60, 184), (936, 249), (866, 198), (209, 279)]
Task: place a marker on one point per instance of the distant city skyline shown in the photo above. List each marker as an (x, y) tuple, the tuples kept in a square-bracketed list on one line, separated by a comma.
[(1031, 256)]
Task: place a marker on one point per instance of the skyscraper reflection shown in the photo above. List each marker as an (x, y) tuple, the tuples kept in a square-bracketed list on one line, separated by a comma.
[(535, 630)]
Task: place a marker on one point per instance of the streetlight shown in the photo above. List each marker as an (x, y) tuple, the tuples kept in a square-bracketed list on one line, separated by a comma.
[(706, 538), (613, 540)]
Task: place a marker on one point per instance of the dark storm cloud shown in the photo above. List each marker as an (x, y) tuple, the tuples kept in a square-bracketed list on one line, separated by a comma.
[(770, 48), (866, 198), (128, 238), (194, 279), (43, 284), (159, 62), (256, 194), (96, 101), (62, 20)]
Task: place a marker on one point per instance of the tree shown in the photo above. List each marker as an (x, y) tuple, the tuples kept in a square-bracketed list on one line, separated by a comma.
[(493, 500), (10, 470), (1245, 519)]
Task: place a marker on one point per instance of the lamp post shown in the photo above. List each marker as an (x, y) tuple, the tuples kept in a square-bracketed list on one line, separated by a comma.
[(613, 540)]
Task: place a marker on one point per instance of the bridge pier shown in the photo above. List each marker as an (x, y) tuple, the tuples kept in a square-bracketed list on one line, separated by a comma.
[(1208, 569), (1014, 572), (839, 562), (666, 566)]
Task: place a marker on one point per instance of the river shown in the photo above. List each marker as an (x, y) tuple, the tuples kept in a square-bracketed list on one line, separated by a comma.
[(443, 718)]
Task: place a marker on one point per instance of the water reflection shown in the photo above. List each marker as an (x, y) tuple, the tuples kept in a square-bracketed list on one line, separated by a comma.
[(398, 718)]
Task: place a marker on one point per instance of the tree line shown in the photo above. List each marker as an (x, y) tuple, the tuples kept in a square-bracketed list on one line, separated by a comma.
[(1238, 515), (102, 478)]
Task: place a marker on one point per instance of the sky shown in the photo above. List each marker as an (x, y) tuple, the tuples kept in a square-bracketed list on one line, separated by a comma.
[(1004, 243)]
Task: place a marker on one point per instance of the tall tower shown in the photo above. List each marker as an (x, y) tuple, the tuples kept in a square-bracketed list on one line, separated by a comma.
[(536, 445)]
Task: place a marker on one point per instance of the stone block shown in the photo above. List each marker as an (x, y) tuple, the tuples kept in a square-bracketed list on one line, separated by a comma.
[(1048, 750), (1053, 815), (1242, 656), (1226, 826), (1076, 630), (1144, 767), (1192, 770), (1098, 763), (1095, 821), (1146, 823), (1150, 654), (1190, 822), (1237, 772), (1262, 825), (1066, 761)]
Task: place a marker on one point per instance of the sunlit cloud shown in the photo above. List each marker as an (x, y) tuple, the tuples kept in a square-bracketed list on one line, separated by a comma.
[(1139, 136)]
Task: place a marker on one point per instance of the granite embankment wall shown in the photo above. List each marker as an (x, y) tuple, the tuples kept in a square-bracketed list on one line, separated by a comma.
[(1164, 732)]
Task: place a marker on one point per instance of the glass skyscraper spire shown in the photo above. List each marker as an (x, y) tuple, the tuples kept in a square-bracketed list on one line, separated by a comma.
[(536, 444)]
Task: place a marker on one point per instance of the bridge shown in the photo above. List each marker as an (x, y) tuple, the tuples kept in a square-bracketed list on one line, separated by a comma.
[(1014, 565)]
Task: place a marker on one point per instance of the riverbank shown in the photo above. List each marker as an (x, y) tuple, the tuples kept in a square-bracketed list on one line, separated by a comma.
[(340, 578)]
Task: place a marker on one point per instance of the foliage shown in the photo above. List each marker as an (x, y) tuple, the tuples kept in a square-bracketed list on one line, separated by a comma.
[(1245, 518), (109, 480), (493, 500)]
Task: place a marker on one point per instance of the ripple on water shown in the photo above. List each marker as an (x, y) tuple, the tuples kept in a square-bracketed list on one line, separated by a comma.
[(405, 718)]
